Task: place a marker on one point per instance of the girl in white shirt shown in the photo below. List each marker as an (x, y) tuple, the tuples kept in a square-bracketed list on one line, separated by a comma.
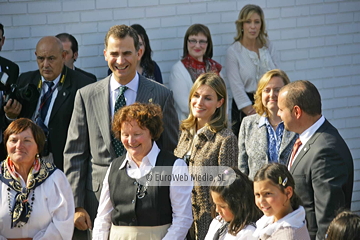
[(283, 218), (232, 195)]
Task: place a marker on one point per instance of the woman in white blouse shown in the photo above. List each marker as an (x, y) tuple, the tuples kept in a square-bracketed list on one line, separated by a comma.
[(35, 197), (196, 60), (247, 59), (136, 203)]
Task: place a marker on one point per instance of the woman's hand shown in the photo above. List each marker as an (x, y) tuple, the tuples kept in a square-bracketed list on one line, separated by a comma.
[(82, 219), (248, 110)]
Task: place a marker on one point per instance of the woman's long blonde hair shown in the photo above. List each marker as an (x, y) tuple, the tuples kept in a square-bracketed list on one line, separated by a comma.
[(244, 15), (218, 120)]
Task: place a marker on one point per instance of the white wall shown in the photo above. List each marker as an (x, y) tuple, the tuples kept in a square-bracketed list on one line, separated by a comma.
[(318, 40)]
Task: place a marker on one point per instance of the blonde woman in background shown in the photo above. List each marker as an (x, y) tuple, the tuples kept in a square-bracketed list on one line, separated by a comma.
[(263, 138), (247, 59)]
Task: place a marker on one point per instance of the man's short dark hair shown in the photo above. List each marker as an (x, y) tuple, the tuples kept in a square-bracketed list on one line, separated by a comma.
[(120, 32), (68, 37), (304, 94)]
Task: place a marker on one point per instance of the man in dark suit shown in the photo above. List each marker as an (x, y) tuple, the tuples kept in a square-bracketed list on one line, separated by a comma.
[(71, 49), (57, 85), (12, 70), (89, 148), (322, 166)]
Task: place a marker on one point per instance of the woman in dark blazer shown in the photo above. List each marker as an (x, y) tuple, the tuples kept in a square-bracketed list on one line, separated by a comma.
[(263, 138)]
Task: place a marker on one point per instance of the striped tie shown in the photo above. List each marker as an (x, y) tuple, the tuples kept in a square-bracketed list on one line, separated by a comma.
[(294, 151), (120, 102)]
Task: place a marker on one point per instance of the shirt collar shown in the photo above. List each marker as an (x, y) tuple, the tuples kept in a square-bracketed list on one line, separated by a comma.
[(55, 81), (204, 131), (265, 121), (307, 134), (262, 121), (266, 225), (133, 84), (148, 160)]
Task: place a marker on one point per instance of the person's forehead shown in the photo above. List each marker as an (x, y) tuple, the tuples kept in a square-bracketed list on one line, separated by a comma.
[(283, 92), (282, 98), (67, 45), (67, 42), (48, 48), (199, 35), (47, 51), (124, 43)]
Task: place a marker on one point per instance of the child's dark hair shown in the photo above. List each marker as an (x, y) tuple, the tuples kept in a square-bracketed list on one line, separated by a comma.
[(239, 195), (346, 225), (280, 176)]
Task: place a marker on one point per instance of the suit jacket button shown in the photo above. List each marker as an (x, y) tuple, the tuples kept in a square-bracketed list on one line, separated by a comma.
[(133, 201), (134, 219)]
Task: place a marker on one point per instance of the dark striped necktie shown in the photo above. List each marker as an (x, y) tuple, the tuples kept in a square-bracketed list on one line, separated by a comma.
[(120, 102)]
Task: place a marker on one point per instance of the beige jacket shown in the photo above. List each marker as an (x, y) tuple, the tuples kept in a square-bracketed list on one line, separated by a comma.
[(208, 149)]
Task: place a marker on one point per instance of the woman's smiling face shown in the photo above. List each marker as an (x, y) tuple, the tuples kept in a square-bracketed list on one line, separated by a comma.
[(137, 141)]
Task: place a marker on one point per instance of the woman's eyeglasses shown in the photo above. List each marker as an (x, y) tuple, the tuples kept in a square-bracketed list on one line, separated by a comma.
[(194, 42)]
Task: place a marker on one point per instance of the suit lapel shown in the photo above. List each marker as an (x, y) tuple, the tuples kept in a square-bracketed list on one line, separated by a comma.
[(262, 132), (304, 150), (308, 146), (62, 95), (144, 92), (35, 79), (101, 110), (5, 66)]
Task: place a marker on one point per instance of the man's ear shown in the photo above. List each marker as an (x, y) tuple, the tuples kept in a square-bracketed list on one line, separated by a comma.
[(105, 55), (76, 56), (297, 111), (140, 53), (63, 55)]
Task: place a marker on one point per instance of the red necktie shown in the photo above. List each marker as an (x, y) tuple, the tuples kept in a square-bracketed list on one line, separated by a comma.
[(294, 151)]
